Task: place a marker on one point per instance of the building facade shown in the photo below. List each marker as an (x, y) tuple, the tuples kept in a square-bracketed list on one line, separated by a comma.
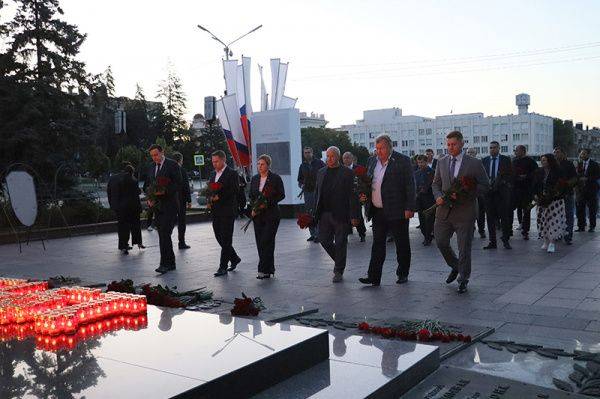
[(414, 134), (312, 120), (587, 138)]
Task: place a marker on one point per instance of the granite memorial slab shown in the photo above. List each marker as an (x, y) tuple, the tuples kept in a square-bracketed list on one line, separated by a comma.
[(178, 354), (452, 382)]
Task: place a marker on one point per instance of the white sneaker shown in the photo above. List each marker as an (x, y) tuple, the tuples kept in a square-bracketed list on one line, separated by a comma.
[(551, 247), (545, 245)]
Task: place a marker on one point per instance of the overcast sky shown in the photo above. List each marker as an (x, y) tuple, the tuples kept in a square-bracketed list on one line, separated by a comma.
[(426, 57)]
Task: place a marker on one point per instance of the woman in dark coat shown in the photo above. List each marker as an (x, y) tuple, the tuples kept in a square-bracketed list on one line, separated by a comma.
[(266, 219), (124, 197), (551, 217)]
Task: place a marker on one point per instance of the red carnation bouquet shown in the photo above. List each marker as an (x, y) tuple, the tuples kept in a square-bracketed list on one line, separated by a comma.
[(461, 189), (362, 182), (210, 191), (259, 204), (246, 306), (157, 190), (304, 220)]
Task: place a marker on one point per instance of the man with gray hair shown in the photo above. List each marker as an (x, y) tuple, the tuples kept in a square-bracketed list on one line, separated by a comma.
[(336, 207), (391, 205)]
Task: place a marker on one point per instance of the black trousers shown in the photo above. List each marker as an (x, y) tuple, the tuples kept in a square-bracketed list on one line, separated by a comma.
[(264, 233), (399, 230), (128, 224), (149, 217), (333, 236), (481, 215), (223, 229), (165, 223), (498, 206), (426, 222), (181, 221), (522, 201), (589, 202)]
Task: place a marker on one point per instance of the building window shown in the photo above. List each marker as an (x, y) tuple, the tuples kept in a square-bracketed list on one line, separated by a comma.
[(421, 132), (504, 138), (412, 153), (372, 135), (439, 151), (457, 128), (421, 142), (428, 131), (394, 144), (428, 142), (475, 139), (484, 150), (356, 136), (484, 139), (504, 149), (362, 137), (371, 145), (516, 136), (525, 136), (411, 143)]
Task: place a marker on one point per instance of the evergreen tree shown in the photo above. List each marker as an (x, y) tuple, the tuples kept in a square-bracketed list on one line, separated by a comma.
[(44, 89), (171, 94), (109, 82)]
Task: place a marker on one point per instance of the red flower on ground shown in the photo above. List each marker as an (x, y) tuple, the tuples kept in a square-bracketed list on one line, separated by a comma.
[(364, 326), (423, 335)]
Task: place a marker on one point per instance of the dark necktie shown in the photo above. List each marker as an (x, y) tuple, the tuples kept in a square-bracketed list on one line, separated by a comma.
[(493, 170), (452, 168), (157, 170)]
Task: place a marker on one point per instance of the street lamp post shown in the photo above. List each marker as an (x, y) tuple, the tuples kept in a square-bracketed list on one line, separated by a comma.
[(226, 47)]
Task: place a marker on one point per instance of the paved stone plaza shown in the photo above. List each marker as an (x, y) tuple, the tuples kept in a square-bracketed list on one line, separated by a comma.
[(524, 291)]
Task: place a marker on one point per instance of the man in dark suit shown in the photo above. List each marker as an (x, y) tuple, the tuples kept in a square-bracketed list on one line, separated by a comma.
[(336, 207), (472, 152), (568, 173), (588, 173), (349, 161), (391, 206), (167, 171), (498, 203), (423, 179), (307, 180), (524, 169), (185, 201), (224, 210), (431, 160)]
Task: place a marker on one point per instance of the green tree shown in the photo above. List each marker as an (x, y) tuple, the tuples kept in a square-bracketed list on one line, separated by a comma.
[(319, 139), (171, 93), (564, 136), (129, 154), (44, 89), (109, 82), (96, 162)]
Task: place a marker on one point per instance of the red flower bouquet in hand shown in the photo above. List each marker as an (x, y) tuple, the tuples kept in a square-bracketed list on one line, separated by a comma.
[(259, 205), (305, 220), (461, 189), (156, 191), (362, 183), (210, 191)]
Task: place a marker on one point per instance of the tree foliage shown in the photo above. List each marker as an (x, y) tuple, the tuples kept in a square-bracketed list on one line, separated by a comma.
[(319, 139), (170, 92), (564, 136)]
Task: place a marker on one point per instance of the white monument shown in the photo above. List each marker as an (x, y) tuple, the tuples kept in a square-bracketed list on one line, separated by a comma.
[(277, 133)]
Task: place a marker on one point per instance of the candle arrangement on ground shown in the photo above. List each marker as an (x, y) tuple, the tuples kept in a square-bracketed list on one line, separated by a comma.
[(65, 316), (162, 296)]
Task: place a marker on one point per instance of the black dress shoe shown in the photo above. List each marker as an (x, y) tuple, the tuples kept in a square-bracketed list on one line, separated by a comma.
[(183, 245), (452, 276), (462, 287), (220, 272), (526, 236), (490, 246), (402, 280), (568, 242), (161, 270), (580, 229), (141, 246), (592, 229), (427, 243), (234, 265), (124, 251), (506, 244), (311, 238), (482, 235), (316, 240), (366, 280)]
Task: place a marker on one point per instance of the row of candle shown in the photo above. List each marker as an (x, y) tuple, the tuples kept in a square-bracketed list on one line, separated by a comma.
[(4, 281), (68, 319), (89, 331), (25, 288)]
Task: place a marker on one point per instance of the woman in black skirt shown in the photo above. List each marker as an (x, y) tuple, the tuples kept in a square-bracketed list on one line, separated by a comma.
[(266, 190)]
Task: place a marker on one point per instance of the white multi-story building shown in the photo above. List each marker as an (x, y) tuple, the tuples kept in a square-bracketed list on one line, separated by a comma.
[(312, 120), (414, 134)]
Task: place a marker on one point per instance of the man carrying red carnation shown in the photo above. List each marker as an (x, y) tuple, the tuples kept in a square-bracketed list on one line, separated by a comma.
[(166, 174), (224, 209), (457, 216), (349, 161)]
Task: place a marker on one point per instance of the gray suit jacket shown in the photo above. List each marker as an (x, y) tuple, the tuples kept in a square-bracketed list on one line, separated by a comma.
[(441, 182)]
